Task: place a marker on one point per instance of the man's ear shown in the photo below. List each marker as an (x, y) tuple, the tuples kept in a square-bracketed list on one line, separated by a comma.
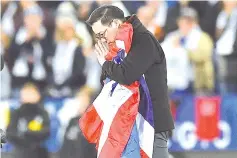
[(115, 24)]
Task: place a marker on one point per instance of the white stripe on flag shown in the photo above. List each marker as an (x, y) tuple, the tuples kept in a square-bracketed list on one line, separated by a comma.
[(107, 107), (146, 135)]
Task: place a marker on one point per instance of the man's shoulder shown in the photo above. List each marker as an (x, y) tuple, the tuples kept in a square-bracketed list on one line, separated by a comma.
[(144, 36), (146, 40)]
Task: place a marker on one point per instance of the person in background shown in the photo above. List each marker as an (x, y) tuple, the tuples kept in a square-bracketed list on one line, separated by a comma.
[(209, 11), (173, 13), (29, 125), (27, 55), (8, 10), (93, 72), (160, 9), (117, 3), (69, 76), (133, 6), (67, 8), (70, 109), (83, 9), (226, 52), (5, 78), (7, 30), (195, 47), (92, 68), (146, 15), (153, 15), (74, 143)]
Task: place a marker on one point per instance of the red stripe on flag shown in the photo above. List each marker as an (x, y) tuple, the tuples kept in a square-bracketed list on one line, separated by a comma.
[(143, 154), (121, 127), (91, 125)]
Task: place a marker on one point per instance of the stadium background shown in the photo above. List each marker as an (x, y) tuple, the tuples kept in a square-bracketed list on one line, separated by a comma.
[(160, 17)]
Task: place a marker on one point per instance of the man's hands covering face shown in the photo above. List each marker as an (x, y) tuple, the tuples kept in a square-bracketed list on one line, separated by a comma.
[(101, 49)]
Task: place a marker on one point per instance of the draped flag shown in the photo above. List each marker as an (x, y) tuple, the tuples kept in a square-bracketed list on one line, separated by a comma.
[(120, 120)]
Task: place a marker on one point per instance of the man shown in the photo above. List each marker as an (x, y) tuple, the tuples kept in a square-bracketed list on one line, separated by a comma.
[(27, 57), (188, 52), (146, 57), (29, 125)]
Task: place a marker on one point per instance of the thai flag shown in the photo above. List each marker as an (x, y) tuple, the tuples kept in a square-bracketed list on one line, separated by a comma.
[(120, 121)]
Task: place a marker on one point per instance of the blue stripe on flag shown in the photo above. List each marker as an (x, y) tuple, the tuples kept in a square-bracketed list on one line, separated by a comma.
[(145, 105), (132, 149)]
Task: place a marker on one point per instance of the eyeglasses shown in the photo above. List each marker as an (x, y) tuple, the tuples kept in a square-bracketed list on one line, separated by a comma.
[(100, 36)]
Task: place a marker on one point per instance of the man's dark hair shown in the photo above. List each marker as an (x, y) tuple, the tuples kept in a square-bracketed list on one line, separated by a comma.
[(106, 14)]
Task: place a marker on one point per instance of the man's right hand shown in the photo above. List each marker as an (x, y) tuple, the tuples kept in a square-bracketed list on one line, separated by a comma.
[(101, 50)]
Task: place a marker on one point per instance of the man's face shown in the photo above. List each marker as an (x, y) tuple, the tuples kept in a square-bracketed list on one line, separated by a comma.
[(185, 25), (105, 33), (229, 5), (30, 95), (33, 22), (66, 29)]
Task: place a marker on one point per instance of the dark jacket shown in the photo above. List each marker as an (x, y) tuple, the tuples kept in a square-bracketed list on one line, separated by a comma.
[(25, 50), (75, 145), (78, 78), (28, 143), (145, 57)]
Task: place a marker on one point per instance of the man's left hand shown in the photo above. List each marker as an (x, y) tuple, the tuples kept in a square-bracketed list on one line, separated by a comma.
[(101, 50)]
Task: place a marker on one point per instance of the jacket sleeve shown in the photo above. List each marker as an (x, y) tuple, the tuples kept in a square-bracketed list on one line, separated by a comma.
[(43, 133), (13, 135), (78, 68), (137, 62), (13, 53)]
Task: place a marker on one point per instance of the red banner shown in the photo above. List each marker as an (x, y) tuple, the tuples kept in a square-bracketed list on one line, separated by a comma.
[(207, 117)]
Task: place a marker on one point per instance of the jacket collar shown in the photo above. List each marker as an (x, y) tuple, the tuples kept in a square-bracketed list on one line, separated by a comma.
[(136, 23)]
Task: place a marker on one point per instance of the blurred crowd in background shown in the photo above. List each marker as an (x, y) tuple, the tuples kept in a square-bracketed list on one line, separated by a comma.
[(49, 52), (49, 44)]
